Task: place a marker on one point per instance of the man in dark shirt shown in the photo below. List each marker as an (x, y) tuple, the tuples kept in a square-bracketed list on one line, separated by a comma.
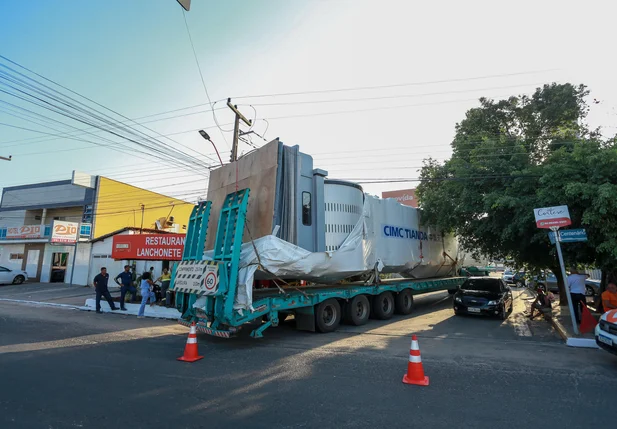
[(126, 283), (100, 283)]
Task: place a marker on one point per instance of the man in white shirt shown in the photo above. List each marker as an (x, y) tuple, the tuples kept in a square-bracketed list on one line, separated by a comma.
[(576, 282)]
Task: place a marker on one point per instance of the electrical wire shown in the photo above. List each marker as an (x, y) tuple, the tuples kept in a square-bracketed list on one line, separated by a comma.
[(397, 85), (201, 75)]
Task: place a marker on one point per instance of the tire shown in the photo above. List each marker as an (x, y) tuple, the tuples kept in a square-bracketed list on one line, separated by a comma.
[(503, 314), (589, 291), (383, 306), (403, 302), (19, 280), (357, 310), (452, 291), (328, 316)]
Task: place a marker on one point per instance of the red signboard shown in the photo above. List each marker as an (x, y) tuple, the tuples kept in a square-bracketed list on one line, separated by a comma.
[(149, 247)]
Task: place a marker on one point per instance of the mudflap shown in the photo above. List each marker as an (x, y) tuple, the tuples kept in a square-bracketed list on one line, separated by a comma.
[(305, 319)]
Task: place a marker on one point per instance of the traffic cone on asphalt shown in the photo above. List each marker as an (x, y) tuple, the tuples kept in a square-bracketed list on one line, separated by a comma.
[(415, 372), (190, 350)]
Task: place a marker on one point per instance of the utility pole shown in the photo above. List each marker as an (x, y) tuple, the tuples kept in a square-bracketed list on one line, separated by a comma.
[(5, 158), (141, 228), (239, 116)]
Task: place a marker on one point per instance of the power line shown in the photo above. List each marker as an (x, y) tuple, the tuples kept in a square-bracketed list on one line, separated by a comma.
[(389, 97), (397, 85), (57, 109), (203, 82)]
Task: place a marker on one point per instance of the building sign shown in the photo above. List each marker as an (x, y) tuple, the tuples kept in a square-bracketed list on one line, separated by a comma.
[(549, 217), (406, 197), (25, 231), (149, 247), (64, 232)]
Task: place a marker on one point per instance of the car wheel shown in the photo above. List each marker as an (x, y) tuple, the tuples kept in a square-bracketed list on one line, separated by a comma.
[(589, 291), (19, 280), (503, 313), (328, 315)]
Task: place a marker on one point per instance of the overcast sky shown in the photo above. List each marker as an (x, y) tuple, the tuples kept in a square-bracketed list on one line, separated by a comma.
[(430, 60)]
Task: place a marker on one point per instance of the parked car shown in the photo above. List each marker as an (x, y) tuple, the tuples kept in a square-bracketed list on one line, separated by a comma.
[(519, 279), (507, 276), (483, 296), (592, 287), (606, 332), (16, 277), (472, 271)]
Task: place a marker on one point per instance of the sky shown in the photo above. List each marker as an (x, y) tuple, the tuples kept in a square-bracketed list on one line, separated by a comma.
[(422, 66)]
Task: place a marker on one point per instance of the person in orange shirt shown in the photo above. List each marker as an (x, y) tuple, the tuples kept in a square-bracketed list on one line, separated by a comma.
[(609, 297)]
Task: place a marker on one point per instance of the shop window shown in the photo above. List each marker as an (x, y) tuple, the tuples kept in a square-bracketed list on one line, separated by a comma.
[(306, 209), (16, 256)]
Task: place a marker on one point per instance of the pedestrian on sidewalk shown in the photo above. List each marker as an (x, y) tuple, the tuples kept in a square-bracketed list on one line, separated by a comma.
[(100, 285), (165, 280), (576, 282), (126, 283), (146, 293), (609, 297)]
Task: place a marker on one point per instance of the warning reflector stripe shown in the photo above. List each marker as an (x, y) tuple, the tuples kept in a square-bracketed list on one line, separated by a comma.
[(415, 359)]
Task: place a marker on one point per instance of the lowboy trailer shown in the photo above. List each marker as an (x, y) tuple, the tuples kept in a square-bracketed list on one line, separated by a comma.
[(206, 289)]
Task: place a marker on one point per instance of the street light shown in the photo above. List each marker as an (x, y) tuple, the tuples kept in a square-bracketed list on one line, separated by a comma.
[(207, 137), (5, 158)]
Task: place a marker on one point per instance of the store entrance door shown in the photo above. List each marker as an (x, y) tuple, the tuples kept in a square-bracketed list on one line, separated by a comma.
[(59, 262), (33, 261)]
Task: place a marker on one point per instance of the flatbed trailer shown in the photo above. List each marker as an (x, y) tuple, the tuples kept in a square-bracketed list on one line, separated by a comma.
[(206, 290)]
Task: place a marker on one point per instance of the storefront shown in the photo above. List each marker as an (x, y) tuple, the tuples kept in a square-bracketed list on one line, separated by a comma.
[(142, 249)]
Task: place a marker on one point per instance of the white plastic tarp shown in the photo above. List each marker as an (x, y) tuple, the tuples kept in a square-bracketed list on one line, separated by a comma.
[(388, 235)]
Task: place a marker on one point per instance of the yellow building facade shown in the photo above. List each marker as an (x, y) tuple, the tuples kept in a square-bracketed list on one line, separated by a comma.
[(118, 205)]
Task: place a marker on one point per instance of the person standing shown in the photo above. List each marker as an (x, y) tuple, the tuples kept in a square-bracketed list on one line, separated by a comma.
[(146, 294), (100, 284), (165, 280), (576, 282), (126, 283), (609, 297)]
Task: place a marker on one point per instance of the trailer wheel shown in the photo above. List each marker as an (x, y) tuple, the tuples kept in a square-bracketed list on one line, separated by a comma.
[(357, 310), (383, 306), (403, 303), (328, 315)]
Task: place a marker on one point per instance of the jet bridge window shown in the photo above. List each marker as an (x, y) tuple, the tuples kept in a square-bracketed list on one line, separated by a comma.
[(306, 209)]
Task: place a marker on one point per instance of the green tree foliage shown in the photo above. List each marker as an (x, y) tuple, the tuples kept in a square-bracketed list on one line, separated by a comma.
[(511, 156)]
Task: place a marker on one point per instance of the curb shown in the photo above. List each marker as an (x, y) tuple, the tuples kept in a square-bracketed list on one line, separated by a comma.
[(561, 330), (132, 310)]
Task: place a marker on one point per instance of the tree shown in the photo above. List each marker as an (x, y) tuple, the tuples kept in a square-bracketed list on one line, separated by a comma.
[(513, 155)]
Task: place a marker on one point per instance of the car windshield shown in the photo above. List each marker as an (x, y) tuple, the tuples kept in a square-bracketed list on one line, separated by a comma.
[(508, 272), (484, 285)]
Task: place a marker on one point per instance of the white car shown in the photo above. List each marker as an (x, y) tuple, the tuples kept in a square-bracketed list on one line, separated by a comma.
[(606, 332), (508, 276), (16, 277)]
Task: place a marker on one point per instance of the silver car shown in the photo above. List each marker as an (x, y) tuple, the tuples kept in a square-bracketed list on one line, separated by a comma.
[(16, 277), (592, 287)]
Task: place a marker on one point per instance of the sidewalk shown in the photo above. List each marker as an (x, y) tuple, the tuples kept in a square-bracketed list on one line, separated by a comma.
[(57, 293), (562, 322), (78, 297)]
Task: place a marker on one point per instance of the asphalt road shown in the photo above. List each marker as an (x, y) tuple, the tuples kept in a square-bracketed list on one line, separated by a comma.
[(62, 368)]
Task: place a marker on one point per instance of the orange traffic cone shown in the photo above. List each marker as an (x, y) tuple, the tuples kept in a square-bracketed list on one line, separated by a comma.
[(415, 372), (190, 351)]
